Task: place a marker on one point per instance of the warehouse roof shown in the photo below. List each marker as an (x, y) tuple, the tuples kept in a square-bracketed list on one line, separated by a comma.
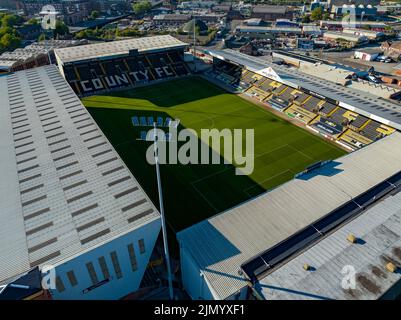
[(269, 9), (221, 244), (121, 47), (378, 233), (64, 189), (366, 104), (173, 16)]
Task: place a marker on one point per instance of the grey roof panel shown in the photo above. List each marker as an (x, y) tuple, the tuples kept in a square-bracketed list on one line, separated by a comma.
[(222, 243), (121, 47), (51, 184)]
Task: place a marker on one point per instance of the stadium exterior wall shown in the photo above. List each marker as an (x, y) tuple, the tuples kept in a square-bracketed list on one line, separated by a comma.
[(196, 285), (113, 287)]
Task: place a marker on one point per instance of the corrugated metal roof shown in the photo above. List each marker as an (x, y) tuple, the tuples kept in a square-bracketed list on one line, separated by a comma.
[(64, 187), (222, 243), (366, 104), (120, 47), (379, 232)]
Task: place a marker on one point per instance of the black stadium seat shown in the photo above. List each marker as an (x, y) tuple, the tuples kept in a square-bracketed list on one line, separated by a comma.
[(100, 75), (70, 73)]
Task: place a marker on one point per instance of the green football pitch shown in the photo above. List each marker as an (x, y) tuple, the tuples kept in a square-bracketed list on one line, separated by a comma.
[(195, 192)]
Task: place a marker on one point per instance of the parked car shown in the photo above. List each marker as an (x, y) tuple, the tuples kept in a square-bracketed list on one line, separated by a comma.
[(384, 59), (374, 79)]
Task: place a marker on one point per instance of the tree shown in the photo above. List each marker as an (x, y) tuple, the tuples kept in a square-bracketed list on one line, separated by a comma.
[(141, 6), (305, 19), (326, 16), (33, 21), (317, 14), (10, 20), (10, 41), (95, 14), (61, 28), (42, 37)]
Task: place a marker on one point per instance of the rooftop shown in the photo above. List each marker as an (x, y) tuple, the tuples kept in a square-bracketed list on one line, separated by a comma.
[(269, 9), (64, 189), (221, 244), (121, 47), (368, 105), (378, 231), (172, 16), (33, 50)]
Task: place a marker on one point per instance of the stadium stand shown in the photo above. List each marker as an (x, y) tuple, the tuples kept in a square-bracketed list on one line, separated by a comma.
[(326, 108), (358, 123), (320, 112), (370, 130), (120, 64), (311, 104)]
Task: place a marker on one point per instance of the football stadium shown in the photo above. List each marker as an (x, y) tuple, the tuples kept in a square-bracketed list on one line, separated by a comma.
[(80, 195), (281, 149)]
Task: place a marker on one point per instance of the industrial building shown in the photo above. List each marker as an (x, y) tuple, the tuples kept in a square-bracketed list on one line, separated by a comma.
[(67, 200), (34, 55), (354, 39), (271, 13)]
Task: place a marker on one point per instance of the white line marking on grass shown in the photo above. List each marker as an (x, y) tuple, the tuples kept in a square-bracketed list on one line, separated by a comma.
[(304, 154), (204, 198), (208, 116), (211, 175), (257, 155)]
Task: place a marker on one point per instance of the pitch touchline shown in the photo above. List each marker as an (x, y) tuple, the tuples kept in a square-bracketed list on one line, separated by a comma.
[(267, 152), (304, 154), (211, 175), (210, 118), (225, 169), (204, 198), (270, 178)]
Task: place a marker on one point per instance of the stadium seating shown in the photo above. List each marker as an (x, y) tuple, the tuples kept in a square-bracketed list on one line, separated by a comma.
[(311, 104), (370, 130), (326, 109), (347, 127), (107, 74), (338, 118), (358, 123)]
